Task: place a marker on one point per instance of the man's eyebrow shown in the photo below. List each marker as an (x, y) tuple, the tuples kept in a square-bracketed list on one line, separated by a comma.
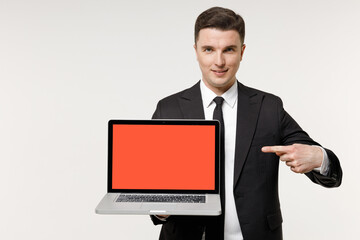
[(231, 46), (206, 46)]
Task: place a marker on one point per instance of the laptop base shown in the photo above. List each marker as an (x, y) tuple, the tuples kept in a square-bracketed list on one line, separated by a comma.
[(108, 205)]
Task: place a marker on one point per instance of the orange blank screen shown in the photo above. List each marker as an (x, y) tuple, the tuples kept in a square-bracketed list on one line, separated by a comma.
[(163, 157)]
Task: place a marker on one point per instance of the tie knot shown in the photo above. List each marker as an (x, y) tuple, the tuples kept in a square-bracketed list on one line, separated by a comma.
[(219, 101)]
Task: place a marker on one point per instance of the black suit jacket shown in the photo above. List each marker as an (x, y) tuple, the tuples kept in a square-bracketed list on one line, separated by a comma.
[(261, 121)]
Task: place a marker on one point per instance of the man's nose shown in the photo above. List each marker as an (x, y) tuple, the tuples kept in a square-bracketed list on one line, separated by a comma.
[(220, 60)]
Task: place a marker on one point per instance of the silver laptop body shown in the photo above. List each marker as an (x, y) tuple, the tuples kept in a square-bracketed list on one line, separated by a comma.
[(162, 167)]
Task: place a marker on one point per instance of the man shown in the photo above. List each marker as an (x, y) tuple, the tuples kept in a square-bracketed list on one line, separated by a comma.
[(257, 131)]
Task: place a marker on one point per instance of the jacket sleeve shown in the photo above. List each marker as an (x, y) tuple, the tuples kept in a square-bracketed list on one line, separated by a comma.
[(334, 176), (292, 133)]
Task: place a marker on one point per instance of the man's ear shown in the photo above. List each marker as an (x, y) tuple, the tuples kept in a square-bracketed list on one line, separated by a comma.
[(242, 51), (195, 47)]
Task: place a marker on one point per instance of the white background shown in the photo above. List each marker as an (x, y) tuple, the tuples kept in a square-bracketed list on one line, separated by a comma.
[(67, 67)]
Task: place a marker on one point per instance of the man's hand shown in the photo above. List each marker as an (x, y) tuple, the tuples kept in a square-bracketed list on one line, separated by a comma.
[(300, 158), (162, 217)]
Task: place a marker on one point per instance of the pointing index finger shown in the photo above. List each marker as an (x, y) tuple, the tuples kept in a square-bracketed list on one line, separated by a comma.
[(274, 149)]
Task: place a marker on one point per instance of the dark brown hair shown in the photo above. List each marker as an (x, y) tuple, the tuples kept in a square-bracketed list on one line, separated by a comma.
[(222, 19)]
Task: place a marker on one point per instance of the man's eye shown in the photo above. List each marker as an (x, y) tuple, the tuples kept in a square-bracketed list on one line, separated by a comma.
[(229, 50), (208, 50)]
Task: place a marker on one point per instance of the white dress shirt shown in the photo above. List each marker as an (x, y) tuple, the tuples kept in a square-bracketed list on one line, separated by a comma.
[(232, 229)]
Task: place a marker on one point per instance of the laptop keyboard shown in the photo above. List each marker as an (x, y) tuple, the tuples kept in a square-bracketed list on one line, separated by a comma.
[(161, 198)]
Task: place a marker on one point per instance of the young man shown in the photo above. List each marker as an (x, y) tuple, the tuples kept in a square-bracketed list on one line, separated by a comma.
[(256, 132)]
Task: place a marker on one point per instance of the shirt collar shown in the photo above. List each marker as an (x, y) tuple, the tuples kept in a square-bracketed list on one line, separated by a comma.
[(230, 96)]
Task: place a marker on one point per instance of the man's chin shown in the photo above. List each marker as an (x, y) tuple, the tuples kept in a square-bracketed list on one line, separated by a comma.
[(222, 83)]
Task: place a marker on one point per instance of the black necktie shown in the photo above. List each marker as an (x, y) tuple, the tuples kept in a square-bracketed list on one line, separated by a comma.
[(218, 115)]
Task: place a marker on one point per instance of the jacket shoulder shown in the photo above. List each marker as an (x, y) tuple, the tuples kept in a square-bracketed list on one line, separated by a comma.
[(268, 97), (169, 107)]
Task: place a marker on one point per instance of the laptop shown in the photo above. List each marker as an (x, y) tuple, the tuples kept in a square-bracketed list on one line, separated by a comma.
[(163, 167)]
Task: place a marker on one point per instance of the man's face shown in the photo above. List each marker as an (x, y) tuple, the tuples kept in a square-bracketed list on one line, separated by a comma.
[(219, 54)]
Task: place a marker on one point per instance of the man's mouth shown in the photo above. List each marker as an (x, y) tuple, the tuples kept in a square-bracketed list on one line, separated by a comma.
[(219, 73)]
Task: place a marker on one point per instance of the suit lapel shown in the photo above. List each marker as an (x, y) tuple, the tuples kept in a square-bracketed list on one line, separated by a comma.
[(191, 103), (247, 115)]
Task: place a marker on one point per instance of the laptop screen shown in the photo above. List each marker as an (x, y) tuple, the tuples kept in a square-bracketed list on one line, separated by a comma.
[(163, 155)]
